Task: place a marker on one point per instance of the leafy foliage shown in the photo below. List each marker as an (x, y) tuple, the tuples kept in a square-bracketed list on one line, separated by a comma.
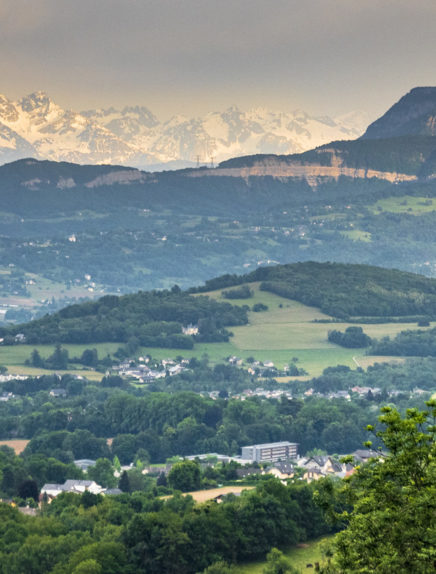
[(344, 290), (154, 318), (353, 338), (411, 343), (391, 527), (243, 292)]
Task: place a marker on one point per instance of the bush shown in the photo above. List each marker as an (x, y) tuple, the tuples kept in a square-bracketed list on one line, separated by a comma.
[(243, 292), (258, 307), (353, 338)]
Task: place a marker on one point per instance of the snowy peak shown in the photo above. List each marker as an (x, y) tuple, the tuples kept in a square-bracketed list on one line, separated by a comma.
[(36, 125), (38, 101)]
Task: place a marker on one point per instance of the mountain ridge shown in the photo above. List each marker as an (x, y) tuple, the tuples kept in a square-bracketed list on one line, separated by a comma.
[(36, 126), (413, 114)]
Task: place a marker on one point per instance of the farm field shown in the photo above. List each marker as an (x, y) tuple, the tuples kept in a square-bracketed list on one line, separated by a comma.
[(204, 495), (357, 235), (405, 204), (14, 357), (17, 444), (287, 329), (300, 556)]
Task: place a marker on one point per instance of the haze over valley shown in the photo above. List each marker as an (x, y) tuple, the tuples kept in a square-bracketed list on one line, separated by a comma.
[(217, 287)]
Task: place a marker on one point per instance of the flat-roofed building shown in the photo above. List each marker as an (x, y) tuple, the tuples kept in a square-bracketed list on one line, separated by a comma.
[(271, 452)]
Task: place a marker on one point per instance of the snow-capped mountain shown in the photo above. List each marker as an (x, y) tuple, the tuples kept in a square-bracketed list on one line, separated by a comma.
[(36, 126)]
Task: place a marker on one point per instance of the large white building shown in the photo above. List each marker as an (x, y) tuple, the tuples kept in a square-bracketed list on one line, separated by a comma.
[(271, 452)]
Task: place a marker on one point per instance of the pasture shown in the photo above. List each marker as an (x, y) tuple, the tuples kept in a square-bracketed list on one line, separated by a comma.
[(300, 556), (405, 204)]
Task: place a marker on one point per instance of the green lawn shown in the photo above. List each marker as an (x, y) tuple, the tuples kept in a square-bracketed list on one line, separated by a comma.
[(300, 557), (14, 358), (405, 204), (357, 235)]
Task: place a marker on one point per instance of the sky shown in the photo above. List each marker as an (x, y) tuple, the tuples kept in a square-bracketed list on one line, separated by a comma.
[(326, 57)]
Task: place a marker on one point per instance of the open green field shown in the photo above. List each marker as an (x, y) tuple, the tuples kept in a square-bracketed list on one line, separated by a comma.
[(300, 556), (14, 358), (44, 288), (41, 289), (357, 235), (287, 330), (405, 204)]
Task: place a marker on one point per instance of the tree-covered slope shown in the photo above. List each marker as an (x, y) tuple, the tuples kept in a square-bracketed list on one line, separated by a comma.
[(413, 114), (156, 318), (401, 141), (344, 290), (409, 155), (153, 318)]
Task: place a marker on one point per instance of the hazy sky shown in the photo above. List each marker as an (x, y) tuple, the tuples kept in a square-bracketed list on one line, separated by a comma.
[(194, 56)]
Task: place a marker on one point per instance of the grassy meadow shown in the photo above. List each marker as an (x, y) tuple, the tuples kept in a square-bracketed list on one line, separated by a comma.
[(300, 556), (405, 204), (287, 330)]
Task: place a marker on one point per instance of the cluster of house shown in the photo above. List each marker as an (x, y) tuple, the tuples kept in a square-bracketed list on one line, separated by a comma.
[(264, 393), (50, 491), (362, 392), (281, 460), (10, 377), (144, 373), (310, 468), (259, 368)]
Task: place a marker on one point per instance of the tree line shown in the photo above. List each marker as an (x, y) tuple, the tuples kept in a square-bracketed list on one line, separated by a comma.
[(154, 318)]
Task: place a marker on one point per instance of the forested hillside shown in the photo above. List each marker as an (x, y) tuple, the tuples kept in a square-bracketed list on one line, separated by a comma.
[(342, 290), (157, 318), (412, 155), (153, 318), (157, 230)]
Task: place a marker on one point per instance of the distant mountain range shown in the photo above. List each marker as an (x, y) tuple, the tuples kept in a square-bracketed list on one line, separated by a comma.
[(398, 147), (116, 229), (36, 126)]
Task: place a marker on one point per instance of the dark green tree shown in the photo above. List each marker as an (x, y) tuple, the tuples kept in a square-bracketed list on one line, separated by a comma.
[(185, 476), (103, 473), (59, 359), (124, 483), (277, 563), (28, 489), (392, 526), (161, 480), (36, 359), (89, 357)]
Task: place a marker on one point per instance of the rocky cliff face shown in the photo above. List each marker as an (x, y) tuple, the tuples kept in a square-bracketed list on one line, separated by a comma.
[(313, 174), (413, 114)]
